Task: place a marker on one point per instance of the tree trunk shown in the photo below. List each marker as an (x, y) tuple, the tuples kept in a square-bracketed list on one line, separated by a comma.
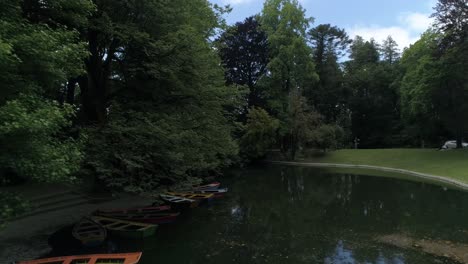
[(459, 138), (70, 93), (94, 86)]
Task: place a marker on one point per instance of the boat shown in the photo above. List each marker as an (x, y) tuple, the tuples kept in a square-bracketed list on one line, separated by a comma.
[(152, 215), (126, 229), (89, 232), (179, 202), (124, 258), (193, 196), (210, 186), (216, 193)]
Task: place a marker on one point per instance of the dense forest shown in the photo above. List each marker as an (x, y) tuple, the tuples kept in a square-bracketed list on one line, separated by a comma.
[(147, 93)]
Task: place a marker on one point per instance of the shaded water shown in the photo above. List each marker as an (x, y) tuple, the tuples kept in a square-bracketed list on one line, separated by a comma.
[(282, 214)]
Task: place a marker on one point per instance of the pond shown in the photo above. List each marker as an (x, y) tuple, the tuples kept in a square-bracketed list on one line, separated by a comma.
[(279, 214)]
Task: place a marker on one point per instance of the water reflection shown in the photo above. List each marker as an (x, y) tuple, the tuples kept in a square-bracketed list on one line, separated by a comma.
[(303, 215)]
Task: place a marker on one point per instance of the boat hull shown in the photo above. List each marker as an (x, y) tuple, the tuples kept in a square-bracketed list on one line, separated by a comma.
[(151, 215), (124, 258), (126, 229), (89, 232), (211, 186), (162, 218)]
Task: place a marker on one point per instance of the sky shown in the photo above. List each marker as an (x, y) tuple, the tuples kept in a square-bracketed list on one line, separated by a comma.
[(404, 20)]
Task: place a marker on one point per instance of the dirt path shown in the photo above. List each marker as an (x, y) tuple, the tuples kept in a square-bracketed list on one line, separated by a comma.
[(434, 178), (26, 238)]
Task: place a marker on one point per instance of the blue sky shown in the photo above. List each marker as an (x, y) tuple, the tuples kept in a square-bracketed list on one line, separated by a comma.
[(404, 20)]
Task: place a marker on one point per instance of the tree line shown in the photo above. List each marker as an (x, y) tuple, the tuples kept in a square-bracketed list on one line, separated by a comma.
[(147, 93)]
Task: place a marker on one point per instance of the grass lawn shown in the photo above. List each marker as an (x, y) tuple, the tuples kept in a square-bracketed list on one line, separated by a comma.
[(451, 163)]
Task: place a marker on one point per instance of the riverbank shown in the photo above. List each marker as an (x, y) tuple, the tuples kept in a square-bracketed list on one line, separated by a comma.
[(26, 238), (450, 166)]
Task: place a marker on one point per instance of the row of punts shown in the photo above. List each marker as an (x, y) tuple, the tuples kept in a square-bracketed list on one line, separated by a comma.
[(132, 223)]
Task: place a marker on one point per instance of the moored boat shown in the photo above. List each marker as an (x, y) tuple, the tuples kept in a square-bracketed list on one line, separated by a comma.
[(179, 202), (210, 186), (89, 232), (124, 258), (126, 229), (193, 196), (153, 215), (217, 193)]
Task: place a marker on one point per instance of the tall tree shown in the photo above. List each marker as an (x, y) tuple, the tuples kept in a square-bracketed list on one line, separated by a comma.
[(389, 50), (418, 89), (452, 22), (166, 118), (291, 68), (244, 52), (373, 97), (329, 43)]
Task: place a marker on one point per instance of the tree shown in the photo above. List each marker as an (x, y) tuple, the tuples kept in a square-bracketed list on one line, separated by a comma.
[(260, 134), (389, 50), (36, 61), (373, 95), (418, 86), (302, 124), (452, 22), (166, 119), (244, 52), (291, 71), (329, 43)]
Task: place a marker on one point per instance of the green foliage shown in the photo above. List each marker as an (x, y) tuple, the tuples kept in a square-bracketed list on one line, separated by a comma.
[(301, 125), (31, 146), (166, 120), (373, 95), (329, 43), (326, 137), (418, 85), (148, 149), (36, 60), (291, 67), (260, 134), (243, 49)]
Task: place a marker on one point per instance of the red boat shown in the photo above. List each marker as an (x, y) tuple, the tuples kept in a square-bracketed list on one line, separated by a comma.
[(153, 215), (211, 186), (124, 258)]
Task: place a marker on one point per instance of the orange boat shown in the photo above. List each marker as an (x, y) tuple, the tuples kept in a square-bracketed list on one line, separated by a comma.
[(124, 258)]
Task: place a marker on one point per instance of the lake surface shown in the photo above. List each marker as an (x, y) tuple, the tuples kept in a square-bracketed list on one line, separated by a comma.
[(279, 214)]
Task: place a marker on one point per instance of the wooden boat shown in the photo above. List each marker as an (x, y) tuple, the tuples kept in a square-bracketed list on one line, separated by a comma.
[(179, 202), (153, 215), (211, 186), (193, 196), (216, 193), (89, 232), (126, 229), (124, 258)]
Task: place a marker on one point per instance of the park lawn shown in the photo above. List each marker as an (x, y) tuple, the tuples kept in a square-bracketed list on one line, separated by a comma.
[(451, 163)]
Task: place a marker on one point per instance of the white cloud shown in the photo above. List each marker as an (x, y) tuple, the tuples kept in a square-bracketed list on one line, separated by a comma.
[(408, 30), (416, 21), (402, 36)]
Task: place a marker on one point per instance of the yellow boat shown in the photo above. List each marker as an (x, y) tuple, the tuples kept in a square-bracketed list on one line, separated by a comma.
[(193, 196)]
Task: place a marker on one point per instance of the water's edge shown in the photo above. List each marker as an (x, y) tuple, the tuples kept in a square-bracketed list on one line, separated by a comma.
[(415, 175)]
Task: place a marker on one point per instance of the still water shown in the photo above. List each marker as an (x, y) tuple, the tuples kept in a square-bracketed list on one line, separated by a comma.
[(279, 214)]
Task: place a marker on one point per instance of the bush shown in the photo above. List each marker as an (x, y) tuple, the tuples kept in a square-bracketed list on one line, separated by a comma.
[(32, 143), (260, 134)]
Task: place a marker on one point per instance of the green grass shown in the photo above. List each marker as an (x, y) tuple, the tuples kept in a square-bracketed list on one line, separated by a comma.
[(452, 164)]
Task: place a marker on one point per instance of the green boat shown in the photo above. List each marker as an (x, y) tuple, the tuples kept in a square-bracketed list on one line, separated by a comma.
[(126, 229)]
